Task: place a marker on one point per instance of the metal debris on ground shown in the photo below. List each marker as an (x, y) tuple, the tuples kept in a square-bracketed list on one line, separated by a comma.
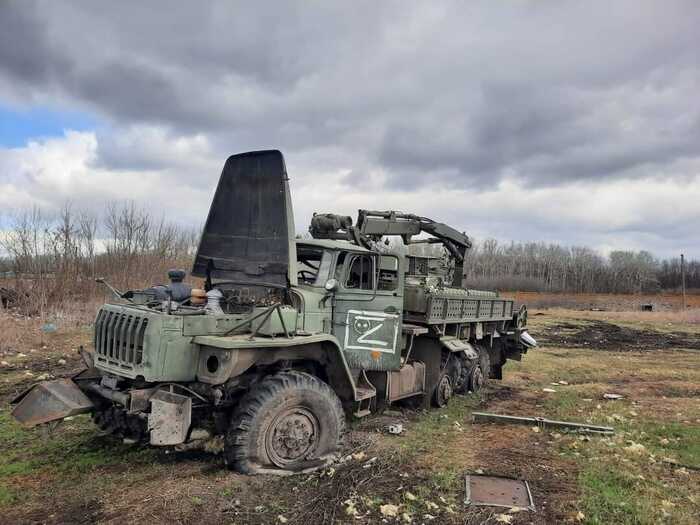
[(48, 328), (486, 417), (613, 396), (396, 428), (496, 491)]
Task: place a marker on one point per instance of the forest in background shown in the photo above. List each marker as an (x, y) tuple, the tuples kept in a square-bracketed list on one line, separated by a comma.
[(59, 255)]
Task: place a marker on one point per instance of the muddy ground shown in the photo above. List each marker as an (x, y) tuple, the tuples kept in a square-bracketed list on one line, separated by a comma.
[(604, 335), (78, 475)]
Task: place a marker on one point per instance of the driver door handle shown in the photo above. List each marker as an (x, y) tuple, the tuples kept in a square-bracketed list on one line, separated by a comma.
[(390, 310)]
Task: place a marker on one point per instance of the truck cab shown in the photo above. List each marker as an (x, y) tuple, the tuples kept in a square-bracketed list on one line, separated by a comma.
[(362, 299)]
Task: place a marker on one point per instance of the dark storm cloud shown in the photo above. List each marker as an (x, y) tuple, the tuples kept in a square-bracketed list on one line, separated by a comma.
[(26, 52)]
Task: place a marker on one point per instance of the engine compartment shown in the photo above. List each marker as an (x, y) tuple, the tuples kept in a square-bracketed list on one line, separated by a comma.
[(222, 297)]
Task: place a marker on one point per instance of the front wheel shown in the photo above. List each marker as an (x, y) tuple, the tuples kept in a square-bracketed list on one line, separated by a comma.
[(289, 421)]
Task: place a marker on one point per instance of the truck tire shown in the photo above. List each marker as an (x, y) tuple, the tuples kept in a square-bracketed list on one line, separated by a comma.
[(462, 385), (289, 421), (447, 381), (480, 372)]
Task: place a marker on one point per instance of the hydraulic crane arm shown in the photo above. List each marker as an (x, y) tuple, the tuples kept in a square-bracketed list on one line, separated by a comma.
[(371, 226)]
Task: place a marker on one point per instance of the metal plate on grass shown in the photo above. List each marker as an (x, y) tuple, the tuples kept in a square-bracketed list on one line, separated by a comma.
[(495, 491), (49, 401)]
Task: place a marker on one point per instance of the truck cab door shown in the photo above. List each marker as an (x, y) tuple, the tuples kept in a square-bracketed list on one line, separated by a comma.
[(367, 309)]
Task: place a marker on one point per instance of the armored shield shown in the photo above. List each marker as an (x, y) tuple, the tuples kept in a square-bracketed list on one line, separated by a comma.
[(249, 232)]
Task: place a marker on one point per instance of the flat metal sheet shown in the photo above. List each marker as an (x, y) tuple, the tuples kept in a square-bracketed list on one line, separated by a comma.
[(49, 401), (495, 491), (250, 227), (170, 418)]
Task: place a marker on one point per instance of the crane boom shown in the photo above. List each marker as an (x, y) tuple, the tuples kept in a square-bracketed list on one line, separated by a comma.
[(373, 225)]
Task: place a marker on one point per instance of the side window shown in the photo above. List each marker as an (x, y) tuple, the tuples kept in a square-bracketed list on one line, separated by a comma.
[(360, 274), (388, 278), (339, 265)]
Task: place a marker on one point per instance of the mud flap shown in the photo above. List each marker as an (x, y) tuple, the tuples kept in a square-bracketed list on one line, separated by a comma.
[(170, 418), (50, 401)]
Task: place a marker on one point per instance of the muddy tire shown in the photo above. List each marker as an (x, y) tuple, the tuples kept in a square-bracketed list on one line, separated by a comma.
[(462, 383), (479, 373), (443, 391), (289, 421), (446, 384)]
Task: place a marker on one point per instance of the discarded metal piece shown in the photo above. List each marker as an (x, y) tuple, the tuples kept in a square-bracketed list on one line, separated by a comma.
[(496, 491), (48, 328), (49, 401), (613, 396), (486, 417), (395, 429)]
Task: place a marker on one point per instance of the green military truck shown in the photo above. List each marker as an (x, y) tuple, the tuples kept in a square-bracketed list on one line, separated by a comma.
[(288, 335)]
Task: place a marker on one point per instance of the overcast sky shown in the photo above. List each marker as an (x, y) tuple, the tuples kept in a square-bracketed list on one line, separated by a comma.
[(567, 121)]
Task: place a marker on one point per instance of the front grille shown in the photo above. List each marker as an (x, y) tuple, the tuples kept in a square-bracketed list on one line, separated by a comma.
[(119, 338)]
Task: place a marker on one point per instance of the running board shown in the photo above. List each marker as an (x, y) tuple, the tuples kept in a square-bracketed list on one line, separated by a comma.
[(364, 394)]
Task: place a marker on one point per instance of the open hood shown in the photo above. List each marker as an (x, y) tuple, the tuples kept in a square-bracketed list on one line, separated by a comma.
[(249, 232)]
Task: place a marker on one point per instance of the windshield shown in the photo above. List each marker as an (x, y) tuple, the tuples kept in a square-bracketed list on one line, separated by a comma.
[(313, 265)]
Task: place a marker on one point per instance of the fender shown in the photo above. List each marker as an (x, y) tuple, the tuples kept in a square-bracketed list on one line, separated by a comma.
[(221, 357)]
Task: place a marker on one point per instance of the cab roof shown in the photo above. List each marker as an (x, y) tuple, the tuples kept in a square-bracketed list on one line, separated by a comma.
[(330, 244)]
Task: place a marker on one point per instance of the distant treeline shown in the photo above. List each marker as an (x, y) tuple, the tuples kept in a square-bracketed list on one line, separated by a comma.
[(554, 268), (62, 253), (58, 256)]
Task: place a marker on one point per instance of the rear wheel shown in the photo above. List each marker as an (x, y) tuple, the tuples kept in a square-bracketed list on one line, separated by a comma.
[(479, 373), (290, 421), (449, 380)]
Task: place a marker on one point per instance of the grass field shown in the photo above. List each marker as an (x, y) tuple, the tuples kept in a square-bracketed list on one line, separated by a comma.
[(645, 473)]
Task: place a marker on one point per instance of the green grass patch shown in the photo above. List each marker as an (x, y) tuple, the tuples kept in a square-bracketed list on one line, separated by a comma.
[(72, 449), (561, 403), (678, 440), (7, 495), (438, 425), (611, 496)]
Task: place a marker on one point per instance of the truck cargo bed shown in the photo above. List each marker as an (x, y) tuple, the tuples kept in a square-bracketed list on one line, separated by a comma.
[(452, 305)]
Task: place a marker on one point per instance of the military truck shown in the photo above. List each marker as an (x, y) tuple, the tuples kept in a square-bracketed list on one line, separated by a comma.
[(287, 336)]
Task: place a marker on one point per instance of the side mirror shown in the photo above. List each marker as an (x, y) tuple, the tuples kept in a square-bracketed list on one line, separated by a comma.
[(331, 285)]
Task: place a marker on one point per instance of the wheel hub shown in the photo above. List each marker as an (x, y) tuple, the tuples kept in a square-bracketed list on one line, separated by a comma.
[(292, 436), (444, 390), (477, 379)]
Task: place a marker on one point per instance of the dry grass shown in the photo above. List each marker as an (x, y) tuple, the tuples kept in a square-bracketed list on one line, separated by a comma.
[(613, 302), (81, 475)]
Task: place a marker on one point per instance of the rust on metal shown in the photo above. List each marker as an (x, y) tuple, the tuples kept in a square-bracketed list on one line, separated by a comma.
[(50, 401), (495, 491)]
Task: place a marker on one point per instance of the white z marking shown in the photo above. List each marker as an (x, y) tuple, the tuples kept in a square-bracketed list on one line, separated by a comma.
[(363, 338)]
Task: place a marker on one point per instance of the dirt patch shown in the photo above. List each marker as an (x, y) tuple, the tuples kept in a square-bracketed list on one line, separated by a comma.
[(60, 511), (517, 452), (601, 335), (15, 378)]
